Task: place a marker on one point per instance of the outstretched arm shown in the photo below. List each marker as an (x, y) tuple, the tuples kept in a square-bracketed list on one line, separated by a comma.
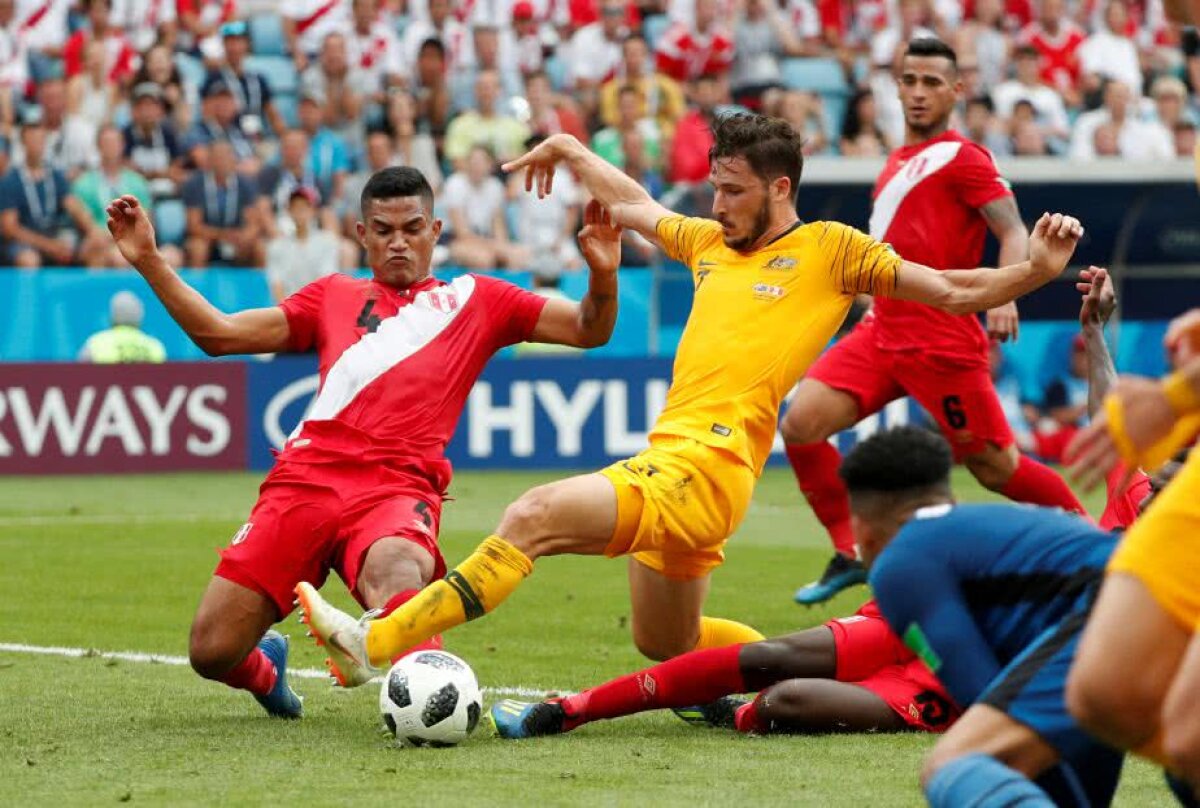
[(588, 323), (963, 291), (1098, 304), (627, 202), (216, 333)]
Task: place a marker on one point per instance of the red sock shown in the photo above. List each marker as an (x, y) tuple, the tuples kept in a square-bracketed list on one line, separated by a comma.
[(746, 719), (255, 673), (816, 468), (695, 678), (397, 600), (1037, 484)]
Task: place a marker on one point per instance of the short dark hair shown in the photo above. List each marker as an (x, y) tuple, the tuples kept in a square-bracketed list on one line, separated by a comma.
[(395, 182), (982, 101), (433, 43), (770, 145), (897, 460), (931, 46)]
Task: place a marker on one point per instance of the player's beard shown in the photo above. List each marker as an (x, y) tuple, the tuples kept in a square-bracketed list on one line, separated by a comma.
[(762, 220)]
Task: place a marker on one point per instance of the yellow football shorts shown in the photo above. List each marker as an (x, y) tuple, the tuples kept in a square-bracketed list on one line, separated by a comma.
[(677, 504), (1162, 548)]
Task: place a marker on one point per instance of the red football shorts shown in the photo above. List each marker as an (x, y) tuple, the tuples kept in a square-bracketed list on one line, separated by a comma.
[(870, 656), (313, 518), (959, 395)]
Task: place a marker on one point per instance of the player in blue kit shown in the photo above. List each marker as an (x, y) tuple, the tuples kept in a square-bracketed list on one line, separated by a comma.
[(993, 599)]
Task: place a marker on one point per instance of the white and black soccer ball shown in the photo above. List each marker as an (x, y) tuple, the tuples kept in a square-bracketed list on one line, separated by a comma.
[(430, 698)]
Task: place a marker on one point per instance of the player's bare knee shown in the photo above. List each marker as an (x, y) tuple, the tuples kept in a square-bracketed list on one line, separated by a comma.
[(659, 647), (803, 425), (789, 702), (1111, 710), (773, 659), (526, 522), (1181, 745), (208, 653), (993, 468)]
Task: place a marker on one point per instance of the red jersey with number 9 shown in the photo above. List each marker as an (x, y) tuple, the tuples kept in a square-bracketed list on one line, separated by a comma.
[(926, 206), (396, 365)]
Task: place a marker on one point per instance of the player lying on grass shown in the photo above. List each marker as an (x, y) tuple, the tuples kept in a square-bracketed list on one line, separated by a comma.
[(850, 675), (934, 202), (770, 293), (358, 487), (1136, 681)]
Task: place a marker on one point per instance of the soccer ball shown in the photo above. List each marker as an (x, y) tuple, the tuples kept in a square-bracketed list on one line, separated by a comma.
[(430, 698)]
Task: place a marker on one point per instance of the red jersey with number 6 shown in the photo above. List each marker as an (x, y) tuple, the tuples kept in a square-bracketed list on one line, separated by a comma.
[(926, 206), (396, 365)]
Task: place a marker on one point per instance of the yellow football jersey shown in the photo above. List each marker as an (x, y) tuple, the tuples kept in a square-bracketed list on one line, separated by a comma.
[(758, 321)]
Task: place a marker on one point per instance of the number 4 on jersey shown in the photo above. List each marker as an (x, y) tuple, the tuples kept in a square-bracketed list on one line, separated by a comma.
[(366, 319)]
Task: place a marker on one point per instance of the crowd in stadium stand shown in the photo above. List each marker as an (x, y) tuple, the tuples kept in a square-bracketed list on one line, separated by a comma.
[(251, 133)]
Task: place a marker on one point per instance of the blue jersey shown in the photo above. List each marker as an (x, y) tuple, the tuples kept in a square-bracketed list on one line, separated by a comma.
[(969, 587)]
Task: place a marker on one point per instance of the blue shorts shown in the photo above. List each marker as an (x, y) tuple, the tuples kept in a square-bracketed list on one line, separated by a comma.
[(1032, 690)]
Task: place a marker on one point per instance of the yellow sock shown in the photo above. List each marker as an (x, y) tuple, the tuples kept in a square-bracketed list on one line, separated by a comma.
[(717, 632), (469, 591)]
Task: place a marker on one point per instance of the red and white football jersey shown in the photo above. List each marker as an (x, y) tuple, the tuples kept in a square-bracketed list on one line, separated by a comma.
[(396, 365), (1059, 54), (377, 53), (685, 54), (926, 205)]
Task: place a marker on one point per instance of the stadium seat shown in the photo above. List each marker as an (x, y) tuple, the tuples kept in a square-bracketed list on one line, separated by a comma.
[(279, 71), (818, 75), (170, 221), (266, 35), (653, 28), (555, 68), (191, 70), (835, 112), (287, 105)]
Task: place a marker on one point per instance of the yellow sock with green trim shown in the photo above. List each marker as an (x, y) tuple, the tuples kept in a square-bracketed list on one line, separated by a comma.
[(717, 632), (469, 591)]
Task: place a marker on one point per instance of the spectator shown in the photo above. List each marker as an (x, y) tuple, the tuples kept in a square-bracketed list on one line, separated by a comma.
[(151, 144), (1106, 140), (308, 23), (200, 23), (442, 26), (687, 160), (1018, 412), (330, 158), (861, 135), (594, 52), (1170, 102), (1030, 86), (219, 120), (159, 68), (120, 59), (687, 52), (222, 225), (14, 65), (1064, 405), (33, 201), (5, 165), (661, 94), (305, 252), (474, 200), (983, 38), (762, 38), (431, 89), (375, 51), (94, 190), (1184, 135), (1057, 41), (546, 226), (1135, 139), (343, 88), (70, 139), (41, 28), (608, 142), (295, 169), (502, 135), (90, 95), (487, 53), (251, 91), (981, 126), (1028, 140), (379, 155), (124, 342), (146, 23), (636, 251), (805, 112), (548, 114), (532, 39), (407, 146), (1110, 52)]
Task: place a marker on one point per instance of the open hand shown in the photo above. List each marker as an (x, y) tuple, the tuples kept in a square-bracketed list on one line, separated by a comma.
[(131, 229), (1099, 300), (539, 163), (600, 239), (1053, 243)]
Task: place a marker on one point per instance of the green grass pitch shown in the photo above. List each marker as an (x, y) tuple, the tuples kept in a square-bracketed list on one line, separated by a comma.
[(118, 564)]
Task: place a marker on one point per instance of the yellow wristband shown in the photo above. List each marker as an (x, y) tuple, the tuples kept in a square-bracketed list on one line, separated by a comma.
[(1115, 412), (1180, 393)]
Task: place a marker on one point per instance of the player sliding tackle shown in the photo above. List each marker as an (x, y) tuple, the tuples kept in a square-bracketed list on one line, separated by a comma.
[(358, 487), (770, 293)]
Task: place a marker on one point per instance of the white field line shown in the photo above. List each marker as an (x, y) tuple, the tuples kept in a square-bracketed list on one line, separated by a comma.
[(166, 659), (115, 519)]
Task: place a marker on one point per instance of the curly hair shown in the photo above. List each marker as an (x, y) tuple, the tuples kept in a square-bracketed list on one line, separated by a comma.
[(770, 145), (905, 458)]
